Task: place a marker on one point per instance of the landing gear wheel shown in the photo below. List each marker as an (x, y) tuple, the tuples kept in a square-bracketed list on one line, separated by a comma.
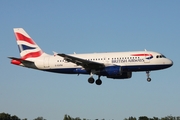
[(148, 74), (149, 79), (98, 82), (91, 80)]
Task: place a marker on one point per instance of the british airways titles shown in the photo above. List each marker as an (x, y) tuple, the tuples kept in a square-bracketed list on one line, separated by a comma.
[(127, 60)]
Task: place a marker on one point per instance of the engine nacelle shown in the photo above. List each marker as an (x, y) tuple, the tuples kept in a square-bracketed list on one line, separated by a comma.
[(124, 75), (111, 71)]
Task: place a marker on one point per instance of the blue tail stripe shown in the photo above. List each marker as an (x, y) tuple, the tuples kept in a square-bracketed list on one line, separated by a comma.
[(25, 47)]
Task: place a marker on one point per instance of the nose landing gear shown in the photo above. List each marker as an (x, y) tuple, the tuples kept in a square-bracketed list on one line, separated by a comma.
[(148, 74)]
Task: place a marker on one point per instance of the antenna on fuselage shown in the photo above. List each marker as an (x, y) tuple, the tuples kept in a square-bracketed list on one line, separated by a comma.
[(145, 50), (55, 53)]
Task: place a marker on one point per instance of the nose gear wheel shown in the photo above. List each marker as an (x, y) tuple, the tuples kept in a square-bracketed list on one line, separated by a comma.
[(148, 74)]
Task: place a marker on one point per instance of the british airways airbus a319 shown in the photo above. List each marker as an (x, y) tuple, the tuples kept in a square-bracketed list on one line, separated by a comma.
[(115, 65)]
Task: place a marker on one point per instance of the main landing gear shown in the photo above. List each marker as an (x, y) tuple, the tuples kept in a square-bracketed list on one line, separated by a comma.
[(148, 74), (98, 81)]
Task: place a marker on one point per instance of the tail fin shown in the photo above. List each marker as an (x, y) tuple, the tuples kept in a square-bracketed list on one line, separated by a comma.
[(27, 47)]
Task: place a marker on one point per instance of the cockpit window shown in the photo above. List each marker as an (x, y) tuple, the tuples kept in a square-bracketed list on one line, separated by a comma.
[(160, 56), (163, 56)]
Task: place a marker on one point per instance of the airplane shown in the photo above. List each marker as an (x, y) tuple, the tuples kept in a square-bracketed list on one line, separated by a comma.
[(114, 65)]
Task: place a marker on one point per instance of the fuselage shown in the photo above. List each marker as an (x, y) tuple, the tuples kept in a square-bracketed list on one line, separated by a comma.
[(129, 61)]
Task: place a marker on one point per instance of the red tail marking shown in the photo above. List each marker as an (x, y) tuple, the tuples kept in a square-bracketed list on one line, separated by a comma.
[(21, 37), (29, 55), (32, 55), (141, 54)]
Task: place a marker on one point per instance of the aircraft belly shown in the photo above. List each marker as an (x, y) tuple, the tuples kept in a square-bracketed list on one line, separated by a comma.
[(145, 67)]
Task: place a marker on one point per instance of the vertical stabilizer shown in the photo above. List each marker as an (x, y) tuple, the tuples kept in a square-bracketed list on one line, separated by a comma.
[(27, 47)]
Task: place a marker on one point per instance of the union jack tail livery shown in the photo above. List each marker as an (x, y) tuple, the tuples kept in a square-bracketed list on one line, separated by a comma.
[(27, 47), (29, 50)]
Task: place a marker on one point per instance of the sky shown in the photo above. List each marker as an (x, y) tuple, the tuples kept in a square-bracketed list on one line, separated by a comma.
[(84, 26)]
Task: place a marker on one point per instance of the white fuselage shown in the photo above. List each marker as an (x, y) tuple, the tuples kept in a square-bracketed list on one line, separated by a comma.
[(128, 62)]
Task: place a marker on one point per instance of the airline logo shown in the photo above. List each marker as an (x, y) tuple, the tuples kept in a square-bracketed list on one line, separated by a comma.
[(134, 58), (147, 56), (27, 47)]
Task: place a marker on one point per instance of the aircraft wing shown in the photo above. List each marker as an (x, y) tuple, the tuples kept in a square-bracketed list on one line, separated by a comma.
[(82, 62)]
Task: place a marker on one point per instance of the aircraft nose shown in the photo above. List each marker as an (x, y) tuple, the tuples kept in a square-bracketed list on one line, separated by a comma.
[(170, 62)]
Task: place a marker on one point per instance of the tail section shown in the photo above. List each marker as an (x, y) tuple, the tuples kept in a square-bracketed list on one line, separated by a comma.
[(27, 47)]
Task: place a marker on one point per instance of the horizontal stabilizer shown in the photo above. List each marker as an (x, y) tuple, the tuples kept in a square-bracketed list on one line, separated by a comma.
[(25, 63), (20, 60)]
